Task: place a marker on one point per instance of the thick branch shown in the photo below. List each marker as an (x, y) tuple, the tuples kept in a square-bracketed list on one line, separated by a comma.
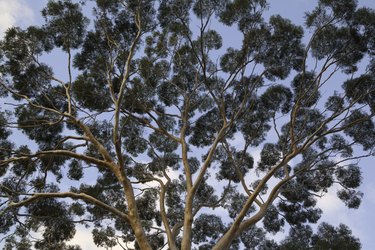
[(81, 196)]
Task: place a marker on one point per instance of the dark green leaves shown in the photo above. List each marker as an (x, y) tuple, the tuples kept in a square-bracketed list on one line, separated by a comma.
[(343, 44), (65, 23), (269, 156), (341, 8), (351, 198), (364, 20), (21, 49), (341, 32), (207, 226), (19, 46), (255, 123), (335, 103), (24, 167), (236, 166), (153, 72), (350, 176), (53, 216), (362, 129), (282, 50), (168, 93), (205, 129), (157, 111), (335, 238), (163, 143), (234, 203), (6, 222), (206, 8), (147, 203), (339, 144), (132, 137), (91, 92), (230, 61), (277, 99), (272, 222), (326, 237), (253, 237), (362, 90), (4, 132), (173, 15), (306, 89), (245, 13), (75, 171), (104, 237), (39, 126), (211, 40), (299, 238)]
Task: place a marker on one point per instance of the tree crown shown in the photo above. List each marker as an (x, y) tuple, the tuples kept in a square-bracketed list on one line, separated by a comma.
[(151, 136)]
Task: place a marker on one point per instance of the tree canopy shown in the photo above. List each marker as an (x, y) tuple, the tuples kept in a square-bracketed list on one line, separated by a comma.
[(157, 136)]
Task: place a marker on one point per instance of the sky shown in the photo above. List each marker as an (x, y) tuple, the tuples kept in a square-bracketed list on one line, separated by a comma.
[(27, 12)]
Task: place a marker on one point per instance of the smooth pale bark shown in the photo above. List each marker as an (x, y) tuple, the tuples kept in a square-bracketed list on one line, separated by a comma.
[(188, 222), (137, 226), (170, 236), (140, 236), (225, 242), (133, 212)]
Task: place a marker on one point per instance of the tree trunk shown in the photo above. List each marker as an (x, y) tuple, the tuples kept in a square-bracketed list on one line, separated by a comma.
[(188, 221), (135, 221), (141, 237)]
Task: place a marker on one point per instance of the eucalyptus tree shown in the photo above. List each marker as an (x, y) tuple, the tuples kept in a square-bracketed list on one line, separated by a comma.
[(151, 135)]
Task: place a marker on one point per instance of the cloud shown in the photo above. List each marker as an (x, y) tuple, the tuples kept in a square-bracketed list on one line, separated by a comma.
[(330, 204), (335, 212), (83, 238), (14, 13)]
